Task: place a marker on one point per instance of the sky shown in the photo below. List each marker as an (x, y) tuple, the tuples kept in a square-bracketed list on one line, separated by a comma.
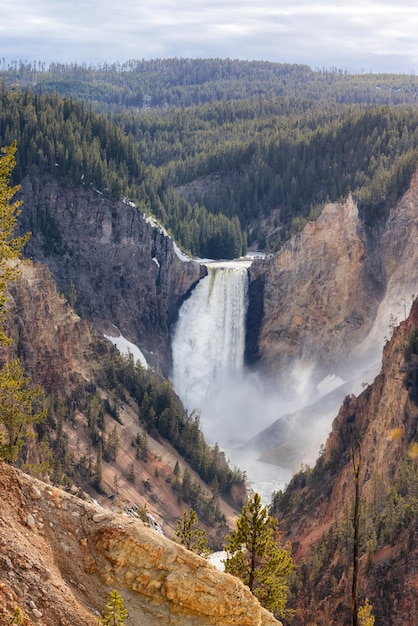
[(355, 36)]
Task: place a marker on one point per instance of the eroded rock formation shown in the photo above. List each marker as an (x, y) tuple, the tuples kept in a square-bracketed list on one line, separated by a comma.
[(61, 555), (115, 266), (331, 293), (321, 292), (58, 349)]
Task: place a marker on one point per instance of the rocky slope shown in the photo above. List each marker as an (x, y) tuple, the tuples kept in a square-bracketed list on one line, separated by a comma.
[(61, 555), (116, 267), (378, 429), (298, 436)]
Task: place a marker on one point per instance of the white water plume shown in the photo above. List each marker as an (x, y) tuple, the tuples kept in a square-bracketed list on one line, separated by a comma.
[(209, 339)]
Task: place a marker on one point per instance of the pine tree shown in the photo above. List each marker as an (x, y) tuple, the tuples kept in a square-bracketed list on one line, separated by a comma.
[(17, 397), (17, 414), (97, 480), (131, 474), (255, 555), (191, 537), (186, 485), (115, 613), (10, 247), (112, 444)]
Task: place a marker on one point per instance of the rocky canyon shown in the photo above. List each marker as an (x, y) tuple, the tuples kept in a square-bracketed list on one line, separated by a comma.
[(325, 300)]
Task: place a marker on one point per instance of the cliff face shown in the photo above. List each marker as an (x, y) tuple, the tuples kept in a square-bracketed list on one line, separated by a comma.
[(116, 267), (328, 294), (58, 349), (321, 292), (61, 555), (378, 430)]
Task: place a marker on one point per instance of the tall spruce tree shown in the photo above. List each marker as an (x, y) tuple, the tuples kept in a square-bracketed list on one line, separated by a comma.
[(17, 414), (10, 246), (17, 396), (256, 556)]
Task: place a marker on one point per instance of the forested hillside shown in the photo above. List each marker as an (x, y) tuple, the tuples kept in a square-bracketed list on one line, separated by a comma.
[(185, 82), (65, 140), (220, 151)]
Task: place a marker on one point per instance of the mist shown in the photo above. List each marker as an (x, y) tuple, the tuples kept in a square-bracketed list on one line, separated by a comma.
[(241, 406), (269, 430), (268, 426)]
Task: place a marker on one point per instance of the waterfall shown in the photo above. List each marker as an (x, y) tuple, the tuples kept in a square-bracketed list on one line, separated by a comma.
[(209, 338), (208, 374)]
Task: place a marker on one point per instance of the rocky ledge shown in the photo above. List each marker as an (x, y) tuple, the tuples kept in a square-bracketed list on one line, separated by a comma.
[(60, 555)]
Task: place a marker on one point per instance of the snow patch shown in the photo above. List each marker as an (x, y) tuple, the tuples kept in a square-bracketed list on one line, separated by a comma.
[(153, 222), (126, 348), (217, 560), (181, 255), (129, 202)]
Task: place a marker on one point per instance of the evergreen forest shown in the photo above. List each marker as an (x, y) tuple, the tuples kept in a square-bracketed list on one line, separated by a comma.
[(225, 154)]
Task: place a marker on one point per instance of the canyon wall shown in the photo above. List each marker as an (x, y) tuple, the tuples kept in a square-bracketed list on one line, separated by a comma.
[(324, 301), (331, 293), (377, 433), (115, 267), (58, 349)]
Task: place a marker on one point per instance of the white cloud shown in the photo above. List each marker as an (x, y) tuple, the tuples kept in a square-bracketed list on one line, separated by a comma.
[(373, 35)]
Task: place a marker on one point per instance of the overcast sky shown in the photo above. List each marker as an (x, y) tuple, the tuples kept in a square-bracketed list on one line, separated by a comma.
[(354, 35)]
